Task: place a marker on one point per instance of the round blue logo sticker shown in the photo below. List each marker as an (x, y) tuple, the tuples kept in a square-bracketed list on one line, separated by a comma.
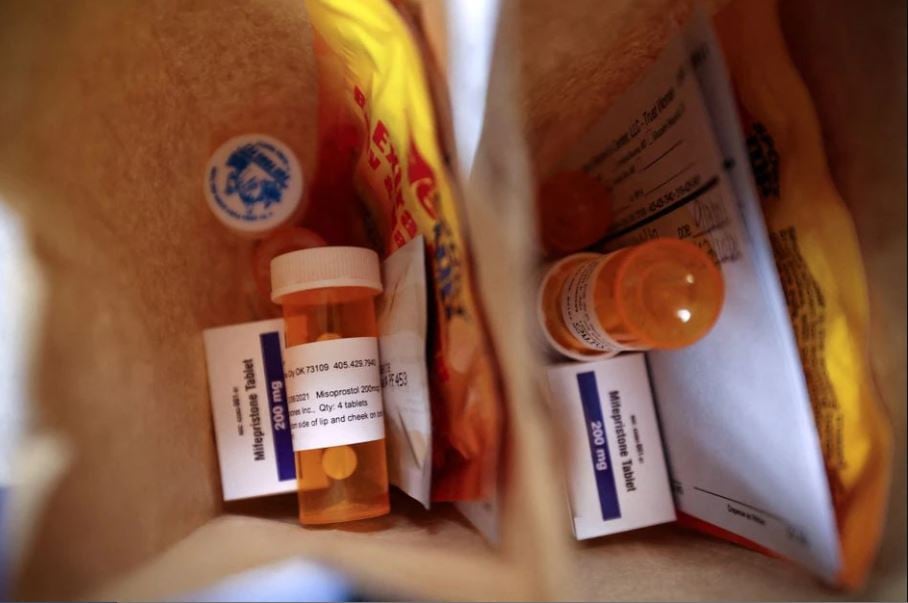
[(253, 183)]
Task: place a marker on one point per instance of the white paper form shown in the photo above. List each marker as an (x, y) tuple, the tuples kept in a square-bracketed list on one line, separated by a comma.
[(741, 442), (401, 312)]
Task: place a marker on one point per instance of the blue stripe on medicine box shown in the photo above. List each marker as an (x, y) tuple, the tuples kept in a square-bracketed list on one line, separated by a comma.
[(595, 430), (277, 401)]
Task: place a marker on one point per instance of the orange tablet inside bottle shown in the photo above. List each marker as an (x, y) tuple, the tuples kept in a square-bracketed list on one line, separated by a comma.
[(333, 383), (662, 294)]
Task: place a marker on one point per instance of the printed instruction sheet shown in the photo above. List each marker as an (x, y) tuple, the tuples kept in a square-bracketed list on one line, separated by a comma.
[(741, 443)]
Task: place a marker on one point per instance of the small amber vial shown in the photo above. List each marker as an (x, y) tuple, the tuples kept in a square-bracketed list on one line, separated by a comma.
[(662, 294), (331, 367)]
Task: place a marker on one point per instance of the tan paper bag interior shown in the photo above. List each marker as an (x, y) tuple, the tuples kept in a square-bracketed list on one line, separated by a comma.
[(107, 113)]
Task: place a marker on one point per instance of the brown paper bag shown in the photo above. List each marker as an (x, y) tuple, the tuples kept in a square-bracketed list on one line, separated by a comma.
[(105, 109)]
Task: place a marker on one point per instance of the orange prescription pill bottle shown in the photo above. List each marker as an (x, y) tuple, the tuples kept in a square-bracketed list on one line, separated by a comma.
[(662, 294), (331, 367)]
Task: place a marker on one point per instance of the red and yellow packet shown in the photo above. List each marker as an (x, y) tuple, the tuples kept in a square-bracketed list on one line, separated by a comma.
[(374, 89), (819, 262)]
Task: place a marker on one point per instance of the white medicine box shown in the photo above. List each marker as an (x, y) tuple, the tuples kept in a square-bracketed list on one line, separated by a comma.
[(617, 478), (249, 407)]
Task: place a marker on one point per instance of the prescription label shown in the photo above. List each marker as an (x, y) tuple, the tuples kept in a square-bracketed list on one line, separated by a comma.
[(578, 308), (334, 393)]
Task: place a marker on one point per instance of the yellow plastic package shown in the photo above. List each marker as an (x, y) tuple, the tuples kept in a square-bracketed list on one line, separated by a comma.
[(374, 79), (819, 262)]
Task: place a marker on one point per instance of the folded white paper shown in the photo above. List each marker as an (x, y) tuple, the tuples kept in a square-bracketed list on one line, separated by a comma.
[(405, 382)]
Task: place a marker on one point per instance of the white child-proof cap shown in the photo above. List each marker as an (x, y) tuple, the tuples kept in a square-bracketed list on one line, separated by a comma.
[(322, 267), (253, 184)]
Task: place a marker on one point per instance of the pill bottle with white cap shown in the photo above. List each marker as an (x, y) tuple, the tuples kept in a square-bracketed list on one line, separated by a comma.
[(331, 368)]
